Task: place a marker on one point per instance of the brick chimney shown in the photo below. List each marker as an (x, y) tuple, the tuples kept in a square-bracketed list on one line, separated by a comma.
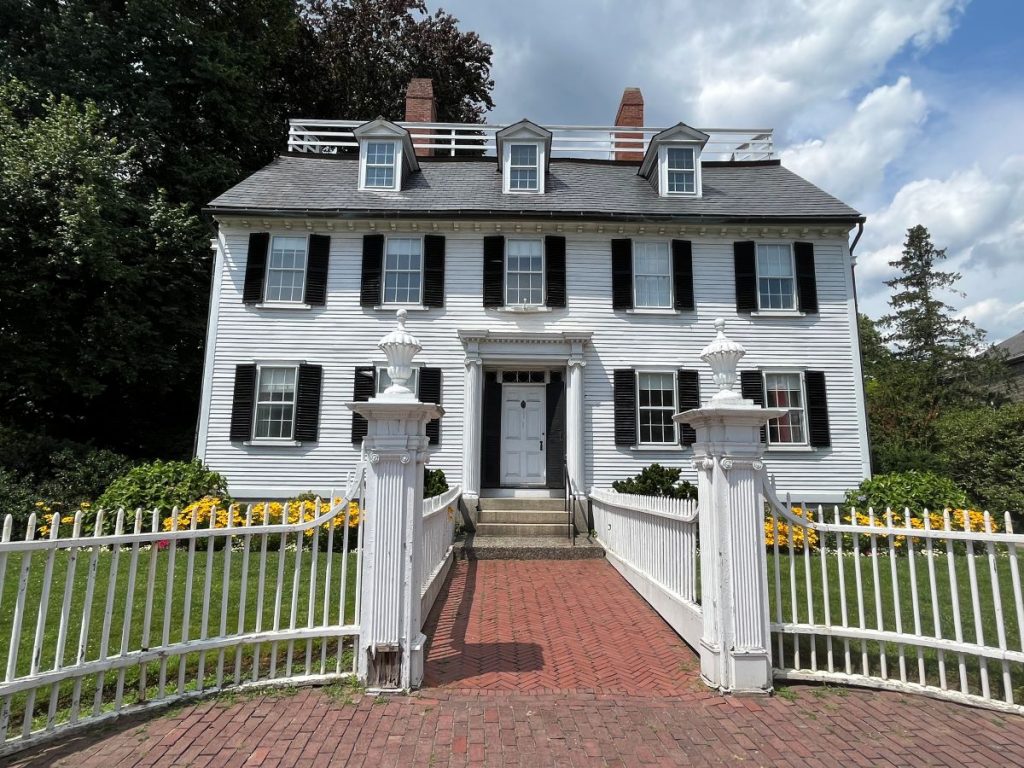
[(420, 107), (631, 113)]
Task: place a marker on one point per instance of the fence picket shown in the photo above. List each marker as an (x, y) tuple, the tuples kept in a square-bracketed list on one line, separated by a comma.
[(840, 567), (826, 607), (108, 613), (895, 582), (257, 649), (65, 615), (879, 618), (998, 601), (168, 603), (126, 625), (914, 598), (83, 634), (313, 577), (44, 607), (243, 590), (154, 555)]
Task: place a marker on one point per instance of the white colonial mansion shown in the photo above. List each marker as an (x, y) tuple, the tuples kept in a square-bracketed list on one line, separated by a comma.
[(562, 281)]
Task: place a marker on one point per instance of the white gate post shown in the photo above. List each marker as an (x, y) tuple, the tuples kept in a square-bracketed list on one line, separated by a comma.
[(735, 650), (390, 641)]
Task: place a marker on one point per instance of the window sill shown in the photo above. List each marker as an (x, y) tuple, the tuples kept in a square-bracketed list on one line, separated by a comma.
[(522, 309), (650, 448), (790, 449), (652, 311), (778, 313), (273, 443), (283, 305), (395, 307)]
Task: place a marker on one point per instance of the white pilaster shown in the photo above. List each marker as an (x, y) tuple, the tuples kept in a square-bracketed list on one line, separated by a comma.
[(574, 449), (471, 430)]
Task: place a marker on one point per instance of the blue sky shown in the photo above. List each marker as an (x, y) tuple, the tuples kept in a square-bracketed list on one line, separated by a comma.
[(910, 110)]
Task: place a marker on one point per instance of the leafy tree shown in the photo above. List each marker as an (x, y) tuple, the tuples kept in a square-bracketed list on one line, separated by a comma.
[(656, 480), (983, 450)]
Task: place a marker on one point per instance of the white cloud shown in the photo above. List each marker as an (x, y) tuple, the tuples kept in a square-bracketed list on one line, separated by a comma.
[(851, 161)]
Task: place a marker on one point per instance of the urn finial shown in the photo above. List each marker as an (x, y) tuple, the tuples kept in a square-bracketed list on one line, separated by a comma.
[(400, 347), (723, 354)]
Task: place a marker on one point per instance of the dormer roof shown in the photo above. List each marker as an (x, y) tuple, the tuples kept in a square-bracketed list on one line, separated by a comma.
[(381, 129), (524, 130), (680, 133)]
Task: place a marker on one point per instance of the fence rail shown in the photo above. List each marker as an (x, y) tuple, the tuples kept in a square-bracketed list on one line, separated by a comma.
[(653, 542), (156, 612), (595, 142), (925, 602), (436, 545)]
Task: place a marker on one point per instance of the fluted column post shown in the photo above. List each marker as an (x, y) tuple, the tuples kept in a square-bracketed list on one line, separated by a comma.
[(735, 646), (472, 413), (574, 453), (390, 641)]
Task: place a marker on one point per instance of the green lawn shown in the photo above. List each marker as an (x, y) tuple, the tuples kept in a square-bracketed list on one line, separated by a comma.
[(142, 681), (894, 581)]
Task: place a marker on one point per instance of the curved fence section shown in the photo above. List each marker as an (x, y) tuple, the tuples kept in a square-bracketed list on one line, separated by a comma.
[(166, 607), (652, 541), (920, 601), (436, 551)]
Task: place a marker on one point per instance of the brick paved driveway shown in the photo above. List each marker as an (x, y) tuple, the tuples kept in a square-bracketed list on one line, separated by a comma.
[(526, 626)]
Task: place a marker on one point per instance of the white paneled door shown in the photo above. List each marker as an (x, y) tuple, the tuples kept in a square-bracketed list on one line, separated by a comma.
[(522, 435)]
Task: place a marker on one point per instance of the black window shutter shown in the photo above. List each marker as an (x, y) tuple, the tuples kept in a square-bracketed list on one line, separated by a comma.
[(818, 432), (490, 432), (316, 269), (625, 406), (744, 258), (430, 392), (622, 274), (364, 388), (688, 386), (307, 403), (373, 270), (243, 402), (554, 268), (752, 388), (555, 429), (494, 271), (682, 274), (255, 267), (433, 271), (806, 281)]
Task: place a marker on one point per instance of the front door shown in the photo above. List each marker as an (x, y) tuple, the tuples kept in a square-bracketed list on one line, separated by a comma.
[(522, 434)]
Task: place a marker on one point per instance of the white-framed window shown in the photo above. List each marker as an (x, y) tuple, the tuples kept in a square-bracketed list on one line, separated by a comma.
[(380, 165), (403, 270), (524, 272), (652, 275), (275, 403), (523, 167), (286, 269), (656, 404), (681, 170), (776, 277), (384, 380), (786, 390)]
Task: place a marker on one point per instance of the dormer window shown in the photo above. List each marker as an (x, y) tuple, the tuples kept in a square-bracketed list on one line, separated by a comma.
[(523, 167), (672, 161), (681, 170), (523, 153), (380, 169)]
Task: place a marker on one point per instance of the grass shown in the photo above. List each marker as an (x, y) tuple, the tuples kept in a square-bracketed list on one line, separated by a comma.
[(893, 608), (174, 615)]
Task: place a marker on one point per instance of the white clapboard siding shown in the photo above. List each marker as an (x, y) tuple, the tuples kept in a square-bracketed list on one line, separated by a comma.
[(342, 335)]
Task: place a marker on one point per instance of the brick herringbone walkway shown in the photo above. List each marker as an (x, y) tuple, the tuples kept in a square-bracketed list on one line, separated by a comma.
[(551, 626), (567, 626)]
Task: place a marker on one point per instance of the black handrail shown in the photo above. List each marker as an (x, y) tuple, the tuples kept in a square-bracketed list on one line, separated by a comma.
[(570, 500)]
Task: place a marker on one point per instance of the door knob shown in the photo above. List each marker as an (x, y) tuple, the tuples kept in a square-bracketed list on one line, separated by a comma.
[(542, 445)]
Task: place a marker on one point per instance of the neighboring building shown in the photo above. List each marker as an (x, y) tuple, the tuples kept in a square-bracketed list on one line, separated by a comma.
[(562, 282), (1013, 348)]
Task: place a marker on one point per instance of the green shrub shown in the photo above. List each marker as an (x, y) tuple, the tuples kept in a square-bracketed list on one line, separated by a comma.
[(434, 482), (17, 499), (915, 490), (656, 480), (983, 451), (81, 473), (162, 485)]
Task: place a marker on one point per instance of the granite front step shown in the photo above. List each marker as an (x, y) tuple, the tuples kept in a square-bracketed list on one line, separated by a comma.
[(520, 505), (527, 548), (523, 516), (522, 529)]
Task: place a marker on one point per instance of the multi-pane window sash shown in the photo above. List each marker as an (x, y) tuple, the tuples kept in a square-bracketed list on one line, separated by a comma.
[(522, 167), (403, 270), (384, 380), (785, 390), (656, 404), (524, 275), (275, 403), (776, 283), (380, 165), (286, 269), (652, 275), (682, 173)]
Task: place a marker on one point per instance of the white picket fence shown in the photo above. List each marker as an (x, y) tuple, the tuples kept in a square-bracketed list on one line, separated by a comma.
[(652, 541), (439, 514), (916, 602), (154, 613)]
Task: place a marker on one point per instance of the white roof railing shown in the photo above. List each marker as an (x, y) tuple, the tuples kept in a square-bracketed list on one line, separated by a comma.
[(583, 141)]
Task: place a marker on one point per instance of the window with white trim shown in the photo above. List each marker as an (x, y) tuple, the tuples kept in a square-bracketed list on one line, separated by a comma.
[(380, 165), (523, 168), (275, 403), (776, 277), (656, 404), (524, 272), (652, 275), (384, 380), (786, 390), (681, 170), (286, 269), (403, 270)]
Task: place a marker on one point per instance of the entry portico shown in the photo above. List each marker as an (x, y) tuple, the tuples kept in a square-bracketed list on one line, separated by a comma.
[(544, 373)]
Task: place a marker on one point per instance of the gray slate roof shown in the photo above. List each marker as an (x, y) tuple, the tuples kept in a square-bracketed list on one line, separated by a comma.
[(297, 185), (1013, 346)]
